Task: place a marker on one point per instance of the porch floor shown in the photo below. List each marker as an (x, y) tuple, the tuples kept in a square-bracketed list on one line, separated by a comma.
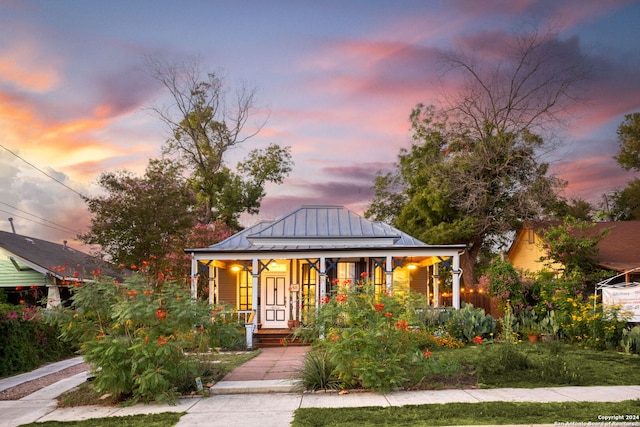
[(273, 363)]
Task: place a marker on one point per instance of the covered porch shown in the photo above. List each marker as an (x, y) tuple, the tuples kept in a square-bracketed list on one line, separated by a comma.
[(275, 271)]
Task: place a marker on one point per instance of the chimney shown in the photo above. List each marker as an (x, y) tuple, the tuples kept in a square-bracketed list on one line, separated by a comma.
[(13, 228), (65, 245)]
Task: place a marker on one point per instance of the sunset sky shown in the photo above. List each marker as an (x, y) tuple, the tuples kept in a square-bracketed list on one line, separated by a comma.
[(336, 81)]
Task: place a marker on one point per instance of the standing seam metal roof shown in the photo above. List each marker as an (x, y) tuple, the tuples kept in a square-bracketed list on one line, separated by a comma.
[(304, 228)]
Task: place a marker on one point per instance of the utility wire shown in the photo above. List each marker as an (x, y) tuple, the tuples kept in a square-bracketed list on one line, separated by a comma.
[(40, 223), (44, 173), (40, 218)]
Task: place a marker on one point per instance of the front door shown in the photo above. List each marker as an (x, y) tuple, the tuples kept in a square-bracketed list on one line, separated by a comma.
[(274, 297)]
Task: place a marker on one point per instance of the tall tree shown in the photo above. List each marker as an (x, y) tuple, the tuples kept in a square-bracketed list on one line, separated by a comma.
[(473, 171), (204, 126), (629, 138), (139, 218)]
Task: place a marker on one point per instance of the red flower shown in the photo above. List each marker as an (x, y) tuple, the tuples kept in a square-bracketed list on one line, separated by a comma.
[(132, 293), (364, 274), (402, 324), (76, 274), (335, 281), (341, 298), (161, 314), (162, 340), (426, 353), (34, 287), (379, 307), (18, 288), (388, 314), (96, 273), (325, 300), (477, 340)]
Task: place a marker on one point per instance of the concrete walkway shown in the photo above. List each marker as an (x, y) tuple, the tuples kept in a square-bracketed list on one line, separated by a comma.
[(267, 408)]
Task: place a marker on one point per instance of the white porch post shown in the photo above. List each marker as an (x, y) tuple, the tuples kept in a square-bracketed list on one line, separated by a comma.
[(194, 277), (436, 284), (389, 273), (213, 278), (252, 327), (53, 296), (255, 275), (323, 279), (456, 281)]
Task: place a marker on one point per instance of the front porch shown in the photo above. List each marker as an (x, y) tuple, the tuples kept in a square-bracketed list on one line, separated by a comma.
[(278, 271)]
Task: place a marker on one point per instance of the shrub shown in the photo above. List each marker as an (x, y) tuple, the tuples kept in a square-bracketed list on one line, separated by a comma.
[(369, 337), (26, 342), (134, 336), (587, 322), (318, 372)]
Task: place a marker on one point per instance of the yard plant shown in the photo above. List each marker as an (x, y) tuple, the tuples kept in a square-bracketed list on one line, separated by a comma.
[(137, 336)]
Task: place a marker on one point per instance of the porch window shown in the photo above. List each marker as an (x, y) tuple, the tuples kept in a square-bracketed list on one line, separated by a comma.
[(245, 291), (346, 271), (309, 278), (379, 280)]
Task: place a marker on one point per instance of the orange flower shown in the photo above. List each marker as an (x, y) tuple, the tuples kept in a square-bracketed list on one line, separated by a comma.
[(162, 340), (477, 340), (18, 288), (379, 307), (161, 314), (132, 293), (426, 353), (388, 314), (341, 298), (402, 324)]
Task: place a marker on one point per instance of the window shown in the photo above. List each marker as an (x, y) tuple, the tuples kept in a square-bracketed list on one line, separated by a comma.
[(308, 276), (245, 291), (379, 280)]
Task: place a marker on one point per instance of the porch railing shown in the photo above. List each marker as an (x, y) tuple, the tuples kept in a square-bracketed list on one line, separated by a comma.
[(244, 318)]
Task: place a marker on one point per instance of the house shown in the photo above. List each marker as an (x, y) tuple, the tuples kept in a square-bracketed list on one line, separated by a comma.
[(618, 251), (31, 269), (276, 270)]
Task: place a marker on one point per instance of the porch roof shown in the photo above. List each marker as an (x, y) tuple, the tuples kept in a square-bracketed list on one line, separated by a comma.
[(319, 228)]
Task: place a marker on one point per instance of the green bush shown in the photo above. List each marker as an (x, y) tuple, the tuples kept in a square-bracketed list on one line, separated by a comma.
[(26, 342), (135, 336), (373, 341), (318, 372)]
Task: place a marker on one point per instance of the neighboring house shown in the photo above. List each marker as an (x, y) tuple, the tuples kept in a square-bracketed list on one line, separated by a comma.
[(278, 269), (618, 251), (31, 269)]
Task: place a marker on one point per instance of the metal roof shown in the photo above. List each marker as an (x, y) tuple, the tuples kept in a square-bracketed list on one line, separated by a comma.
[(316, 228)]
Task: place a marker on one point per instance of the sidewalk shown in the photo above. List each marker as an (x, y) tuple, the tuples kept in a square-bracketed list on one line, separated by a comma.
[(268, 407)]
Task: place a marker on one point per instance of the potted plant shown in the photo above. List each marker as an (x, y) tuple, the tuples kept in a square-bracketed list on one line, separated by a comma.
[(532, 331)]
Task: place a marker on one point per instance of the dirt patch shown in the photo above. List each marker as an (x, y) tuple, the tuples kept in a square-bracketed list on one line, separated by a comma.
[(25, 389)]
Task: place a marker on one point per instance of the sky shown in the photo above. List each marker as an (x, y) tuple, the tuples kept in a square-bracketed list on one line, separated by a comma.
[(335, 81)]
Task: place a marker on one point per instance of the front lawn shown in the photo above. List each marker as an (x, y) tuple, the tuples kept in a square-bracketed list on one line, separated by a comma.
[(527, 365), (486, 413)]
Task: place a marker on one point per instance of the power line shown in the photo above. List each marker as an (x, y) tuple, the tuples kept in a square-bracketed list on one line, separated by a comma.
[(40, 223), (40, 218), (44, 173)]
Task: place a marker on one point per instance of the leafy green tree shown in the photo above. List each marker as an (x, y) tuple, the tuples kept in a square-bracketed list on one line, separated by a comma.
[(139, 219), (574, 245), (204, 127), (629, 139), (473, 171), (575, 208), (626, 203)]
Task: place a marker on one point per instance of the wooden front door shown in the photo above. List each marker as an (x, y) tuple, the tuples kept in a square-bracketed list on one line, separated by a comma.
[(274, 297)]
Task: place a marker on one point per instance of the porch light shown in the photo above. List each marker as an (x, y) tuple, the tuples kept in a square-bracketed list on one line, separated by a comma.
[(235, 268), (412, 266)]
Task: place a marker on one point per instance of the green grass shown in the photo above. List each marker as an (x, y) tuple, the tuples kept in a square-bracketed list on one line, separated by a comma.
[(545, 365), (488, 413), (165, 419)]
